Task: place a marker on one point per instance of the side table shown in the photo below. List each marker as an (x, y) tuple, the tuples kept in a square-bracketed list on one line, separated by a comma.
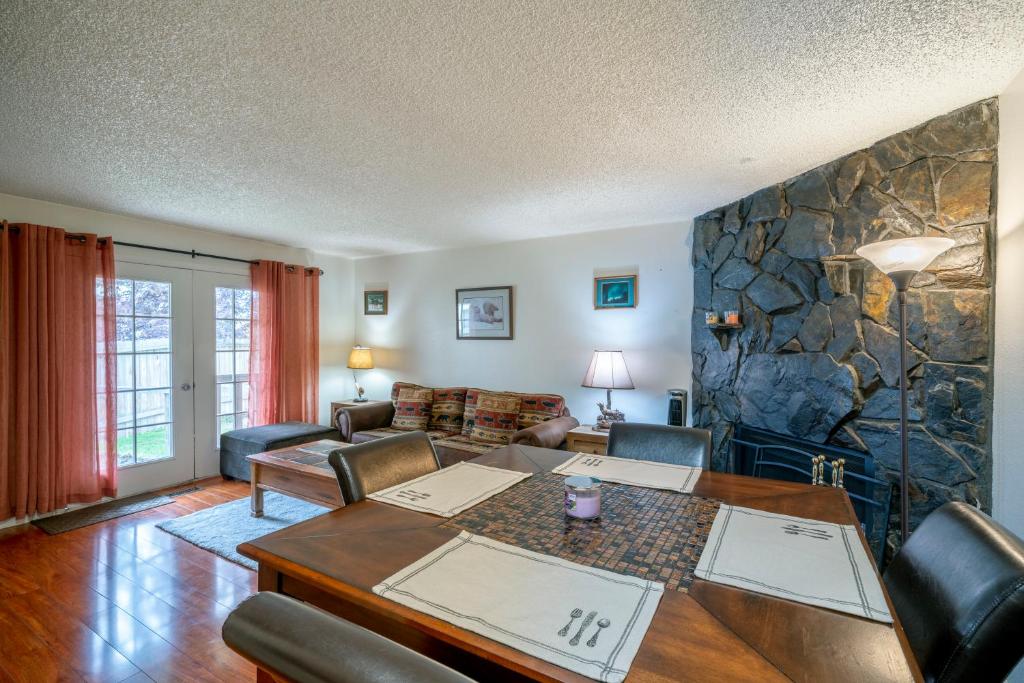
[(586, 439)]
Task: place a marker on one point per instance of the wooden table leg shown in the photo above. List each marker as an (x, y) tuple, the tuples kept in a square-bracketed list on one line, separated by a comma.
[(256, 497)]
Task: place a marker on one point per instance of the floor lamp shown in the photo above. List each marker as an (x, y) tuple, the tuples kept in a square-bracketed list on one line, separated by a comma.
[(901, 260)]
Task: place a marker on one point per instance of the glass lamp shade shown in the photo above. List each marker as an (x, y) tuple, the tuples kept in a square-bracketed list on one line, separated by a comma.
[(910, 255), (360, 358), (608, 371)]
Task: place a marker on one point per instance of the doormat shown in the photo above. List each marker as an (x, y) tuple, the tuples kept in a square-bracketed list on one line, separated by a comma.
[(94, 514)]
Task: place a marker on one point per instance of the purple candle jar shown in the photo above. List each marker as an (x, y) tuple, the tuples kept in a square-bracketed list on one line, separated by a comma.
[(583, 497)]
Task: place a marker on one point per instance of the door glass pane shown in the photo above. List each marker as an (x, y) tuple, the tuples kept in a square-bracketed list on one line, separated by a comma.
[(225, 398), (152, 407), (243, 304), (241, 364), (125, 447), (123, 326), (153, 443), (224, 302), (123, 297), (125, 371), (225, 335), (152, 298), (152, 334), (242, 334), (225, 369), (125, 412), (144, 414), (233, 307), (152, 370)]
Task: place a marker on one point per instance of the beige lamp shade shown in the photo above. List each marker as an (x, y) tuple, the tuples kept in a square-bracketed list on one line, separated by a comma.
[(360, 358), (912, 254), (608, 371)]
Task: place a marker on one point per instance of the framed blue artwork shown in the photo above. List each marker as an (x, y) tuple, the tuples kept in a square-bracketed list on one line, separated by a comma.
[(617, 291)]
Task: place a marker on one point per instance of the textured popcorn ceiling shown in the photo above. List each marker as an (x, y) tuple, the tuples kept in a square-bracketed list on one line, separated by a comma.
[(380, 127)]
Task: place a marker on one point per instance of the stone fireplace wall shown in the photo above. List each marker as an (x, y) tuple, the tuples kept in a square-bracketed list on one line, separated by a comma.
[(818, 355)]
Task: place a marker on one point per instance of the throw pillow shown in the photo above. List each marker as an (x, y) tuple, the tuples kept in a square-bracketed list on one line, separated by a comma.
[(537, 408), (398, 386), (449, 406), (496, 418), (470, 412), (412, 409)]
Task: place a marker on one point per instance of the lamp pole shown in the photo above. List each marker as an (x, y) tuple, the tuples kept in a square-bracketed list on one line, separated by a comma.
[(901, 292)]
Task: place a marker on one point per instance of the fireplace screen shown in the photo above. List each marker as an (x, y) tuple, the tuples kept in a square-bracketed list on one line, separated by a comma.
[(760, 453)]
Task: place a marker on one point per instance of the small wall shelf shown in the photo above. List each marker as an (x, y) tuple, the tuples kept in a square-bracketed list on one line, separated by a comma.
[(725, 326)]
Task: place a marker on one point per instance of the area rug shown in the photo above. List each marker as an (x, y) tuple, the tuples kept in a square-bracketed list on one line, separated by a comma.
[(222, 528)]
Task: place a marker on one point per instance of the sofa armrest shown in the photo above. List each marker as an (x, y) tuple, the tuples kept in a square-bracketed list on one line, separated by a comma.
[(360, 418), (548, 434)]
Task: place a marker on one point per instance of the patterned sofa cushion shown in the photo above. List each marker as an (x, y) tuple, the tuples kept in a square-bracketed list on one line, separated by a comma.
[(537, 408), (412, 409), (398, 386), (496, 418), (447, 412)]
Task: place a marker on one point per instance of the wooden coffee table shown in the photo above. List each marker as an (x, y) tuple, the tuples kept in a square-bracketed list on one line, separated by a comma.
[(294, 473)]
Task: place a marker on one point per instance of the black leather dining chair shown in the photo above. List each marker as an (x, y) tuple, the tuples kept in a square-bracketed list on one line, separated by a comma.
[(958, 588), (297, 643), (374, 465), (660, 443)]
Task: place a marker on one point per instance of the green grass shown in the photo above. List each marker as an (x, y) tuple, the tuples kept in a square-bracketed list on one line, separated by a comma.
[(150, 445)]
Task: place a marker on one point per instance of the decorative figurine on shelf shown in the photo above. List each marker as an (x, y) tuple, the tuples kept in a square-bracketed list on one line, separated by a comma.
[(607, 416)]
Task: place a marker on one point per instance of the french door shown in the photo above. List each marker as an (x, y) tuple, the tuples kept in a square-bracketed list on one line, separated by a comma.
[(222, 307), (182, 372), (155, 411)]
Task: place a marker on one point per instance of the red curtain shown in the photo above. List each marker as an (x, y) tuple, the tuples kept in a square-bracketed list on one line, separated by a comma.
[(57, 365), (284, 360)]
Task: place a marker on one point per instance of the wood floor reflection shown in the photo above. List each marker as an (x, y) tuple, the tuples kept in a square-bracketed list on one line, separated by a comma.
[(120, 601)]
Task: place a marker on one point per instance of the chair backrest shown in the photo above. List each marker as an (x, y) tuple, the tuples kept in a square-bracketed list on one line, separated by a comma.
[(374, 465), (958, 587), (293, 641), (660, 443)]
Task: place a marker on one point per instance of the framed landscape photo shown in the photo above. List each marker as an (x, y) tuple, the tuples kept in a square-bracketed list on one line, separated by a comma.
[(375, 302), (617, 291), (483, 313)]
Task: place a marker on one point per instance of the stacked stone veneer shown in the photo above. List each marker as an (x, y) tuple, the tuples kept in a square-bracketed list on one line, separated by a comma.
[(818, 354)]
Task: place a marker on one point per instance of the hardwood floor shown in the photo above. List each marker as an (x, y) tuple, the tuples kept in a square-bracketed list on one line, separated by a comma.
[(120, 601)]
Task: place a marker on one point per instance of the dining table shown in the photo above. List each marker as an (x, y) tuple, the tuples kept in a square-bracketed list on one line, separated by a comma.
[(702, 630)]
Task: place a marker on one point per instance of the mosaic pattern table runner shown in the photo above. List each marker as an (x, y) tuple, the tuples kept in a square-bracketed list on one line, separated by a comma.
[(647, 533)]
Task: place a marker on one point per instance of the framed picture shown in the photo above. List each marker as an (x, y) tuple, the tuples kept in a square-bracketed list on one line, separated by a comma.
[(375, 303), (618, 291), (483, 313)]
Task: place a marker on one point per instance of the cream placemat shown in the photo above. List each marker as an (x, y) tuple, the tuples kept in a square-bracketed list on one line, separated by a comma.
[(587, 620), (817, 563), (651, 475), (449, 491)]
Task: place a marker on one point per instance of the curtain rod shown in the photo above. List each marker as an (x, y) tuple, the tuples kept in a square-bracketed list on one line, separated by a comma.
[(192, 252)]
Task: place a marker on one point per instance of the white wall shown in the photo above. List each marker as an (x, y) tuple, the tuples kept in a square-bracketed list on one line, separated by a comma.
[(336, 294), (1008, 435), (556, 326)]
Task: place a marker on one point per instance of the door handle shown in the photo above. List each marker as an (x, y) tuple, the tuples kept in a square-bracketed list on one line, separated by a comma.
[(186, 386)]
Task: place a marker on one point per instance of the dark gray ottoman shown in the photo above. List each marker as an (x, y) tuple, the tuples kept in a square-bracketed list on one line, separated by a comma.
[(234, 446)]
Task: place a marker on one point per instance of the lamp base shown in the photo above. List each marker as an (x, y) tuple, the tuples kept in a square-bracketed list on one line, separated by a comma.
[(360, 399)]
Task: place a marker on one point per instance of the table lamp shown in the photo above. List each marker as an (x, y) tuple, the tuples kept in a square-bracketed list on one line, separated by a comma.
[(901, 260), (608, 371), (359, 358)]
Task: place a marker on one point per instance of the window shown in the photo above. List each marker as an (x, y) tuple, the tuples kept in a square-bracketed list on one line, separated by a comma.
[(233, 309), (144, 416)]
